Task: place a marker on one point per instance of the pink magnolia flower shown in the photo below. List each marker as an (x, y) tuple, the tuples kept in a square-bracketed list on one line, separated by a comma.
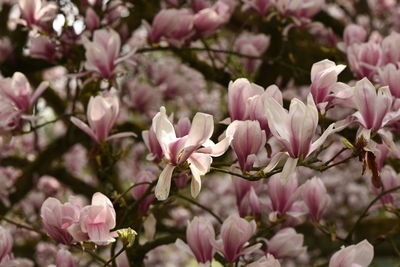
[(92, 20), (19, 91), (374, 107), (390, 75), (57, 218), (200, 238), (239, 92), (295, 129), (282, 195), (37, 12), (42, 47), (268, 261), (248, 140), (198, 5), (316, 197), (250, 204), (139, 190), (152, 144), (354, 255), (364, 59), (261, 6), (324, 76), (208, 20), (102, 113), (251, 45), (257, 103), (178, 150), (286, 244), (354, 34), (235, 233), (390, 44), (6, 243), (98, 219), (176, 25), (64, 258), (300, 8), (102, 53)]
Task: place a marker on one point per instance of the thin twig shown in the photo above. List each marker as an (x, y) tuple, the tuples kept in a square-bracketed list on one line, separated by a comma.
[(201, 206), (167, 48), (365, 212), (114, 257), (129, 189), (20, 225)]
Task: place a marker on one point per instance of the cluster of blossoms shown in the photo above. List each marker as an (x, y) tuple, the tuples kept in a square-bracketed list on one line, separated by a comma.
[(222, 132)]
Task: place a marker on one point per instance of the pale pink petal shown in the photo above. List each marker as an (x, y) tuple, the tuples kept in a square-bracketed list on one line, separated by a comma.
[(164, 182)]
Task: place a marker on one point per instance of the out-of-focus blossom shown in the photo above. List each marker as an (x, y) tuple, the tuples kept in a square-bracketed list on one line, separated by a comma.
[(6, 243), (295, 129), (253, 46), (17, 97), (57, 218), (102, 53), (45, 253), (324, 76), (64, 258), (286, 244), (42, 47), (92, 20), (265, 261), (139, 190), (6, 49), (316, 197), (248, 139), (48, 185), (247, 196), (390, 48), (102, 113), (261, 6), (142, 97), (19, 91), (390, 179), (37, 13), (354, 34), (364, 58), (98, 219), (200, 238), (282, 195), (354, 255), (208, 20), (176, 25), (300, 8), (235, 233), (178, 150), (198, 5), (389, 75)]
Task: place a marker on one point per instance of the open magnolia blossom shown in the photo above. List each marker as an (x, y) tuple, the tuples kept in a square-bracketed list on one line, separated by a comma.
[(70, 222), (324, 86), (102, 113), (17, 98), (375, 111), (195, 148), (359, 255), (270, 133), (295, 130), (36, 12), (102, 53)]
